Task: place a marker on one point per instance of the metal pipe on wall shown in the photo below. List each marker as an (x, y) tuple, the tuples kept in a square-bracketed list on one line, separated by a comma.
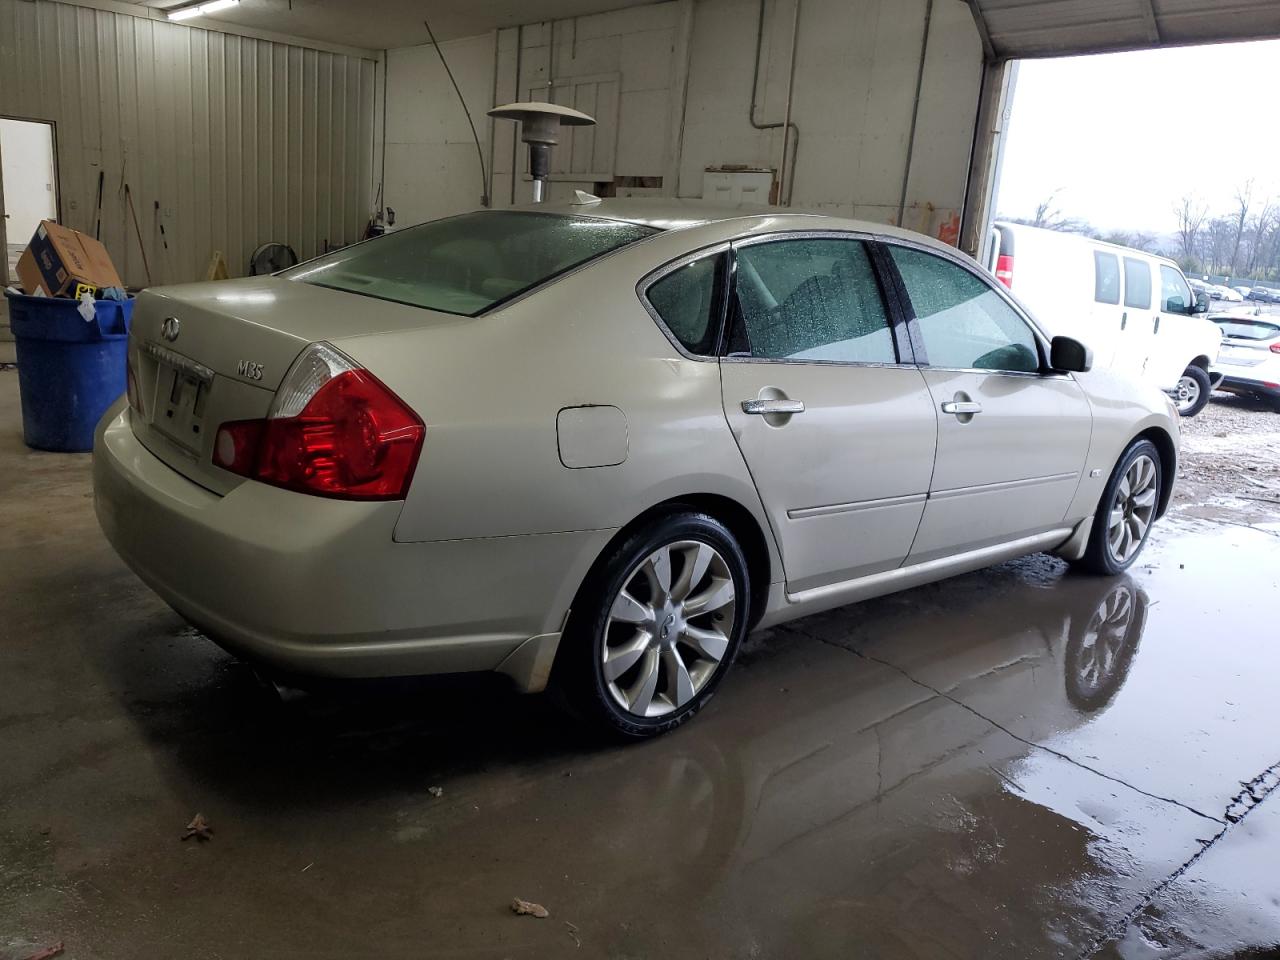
[(915, 110), (515, 140), (755, 89), (786, 117)]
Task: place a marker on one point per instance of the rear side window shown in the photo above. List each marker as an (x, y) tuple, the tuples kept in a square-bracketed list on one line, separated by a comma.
[(686, 300), (811, 299), (1137, 284), (1175, 293), (467, 264), (1106, 277)]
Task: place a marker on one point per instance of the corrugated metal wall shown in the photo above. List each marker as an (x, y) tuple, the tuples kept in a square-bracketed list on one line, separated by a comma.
[(240, 140)]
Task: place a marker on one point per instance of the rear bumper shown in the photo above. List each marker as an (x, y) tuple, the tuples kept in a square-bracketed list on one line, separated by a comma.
[(1243, 385), (319, 586)]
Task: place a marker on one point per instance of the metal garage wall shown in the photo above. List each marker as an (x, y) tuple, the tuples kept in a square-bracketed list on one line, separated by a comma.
[(240, 140)]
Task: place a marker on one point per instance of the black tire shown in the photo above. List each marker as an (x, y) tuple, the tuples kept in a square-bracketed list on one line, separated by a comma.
[(1205, 388), (578, 677), (1099, 556)]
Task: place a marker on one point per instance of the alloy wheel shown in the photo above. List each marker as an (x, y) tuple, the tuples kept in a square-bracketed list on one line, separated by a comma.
[(1188, 393), (668, 628), (1132, 510)]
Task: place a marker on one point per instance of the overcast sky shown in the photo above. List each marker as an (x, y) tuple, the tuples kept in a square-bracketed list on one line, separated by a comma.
[(1124, 136)]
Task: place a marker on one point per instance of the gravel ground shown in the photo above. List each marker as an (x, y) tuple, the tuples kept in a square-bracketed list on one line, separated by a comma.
[(1231, 462)]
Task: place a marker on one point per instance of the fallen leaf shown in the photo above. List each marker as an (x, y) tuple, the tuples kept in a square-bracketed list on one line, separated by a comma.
[(47, 952), (198, 828), (528, 908)]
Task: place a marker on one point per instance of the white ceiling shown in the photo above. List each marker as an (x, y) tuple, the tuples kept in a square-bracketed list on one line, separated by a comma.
[(378, 24)]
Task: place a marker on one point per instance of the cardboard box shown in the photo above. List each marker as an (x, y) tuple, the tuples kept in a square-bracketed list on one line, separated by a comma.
[(62, 262)]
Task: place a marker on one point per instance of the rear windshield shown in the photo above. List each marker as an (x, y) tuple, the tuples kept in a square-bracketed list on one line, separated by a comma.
[(468, 264), (1248, 329)]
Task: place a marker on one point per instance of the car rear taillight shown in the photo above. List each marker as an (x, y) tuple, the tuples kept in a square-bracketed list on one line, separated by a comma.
[(1004, 270), (334, 430), (1275, 347)]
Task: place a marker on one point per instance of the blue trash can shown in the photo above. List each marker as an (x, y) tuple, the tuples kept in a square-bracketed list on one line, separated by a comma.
[(69, 370)]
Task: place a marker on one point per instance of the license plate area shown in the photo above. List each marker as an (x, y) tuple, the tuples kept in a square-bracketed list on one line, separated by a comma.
[(181, 397), (1240, 356)]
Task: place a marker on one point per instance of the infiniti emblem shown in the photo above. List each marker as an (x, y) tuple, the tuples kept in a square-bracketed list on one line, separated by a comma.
[(170, 328), (666, 625)]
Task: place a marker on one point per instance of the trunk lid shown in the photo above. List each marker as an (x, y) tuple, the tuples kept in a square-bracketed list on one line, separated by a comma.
[(203, 354)]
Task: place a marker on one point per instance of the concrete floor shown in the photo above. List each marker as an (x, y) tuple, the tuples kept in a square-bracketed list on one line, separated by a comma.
[(1018, 763)]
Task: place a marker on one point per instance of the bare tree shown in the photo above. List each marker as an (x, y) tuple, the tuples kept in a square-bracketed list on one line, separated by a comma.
[(1047, 213), (1244, 200), (1191, 213), (1259, 231)]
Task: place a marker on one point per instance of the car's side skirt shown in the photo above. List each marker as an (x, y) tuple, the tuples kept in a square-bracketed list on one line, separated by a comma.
[(789, 606)]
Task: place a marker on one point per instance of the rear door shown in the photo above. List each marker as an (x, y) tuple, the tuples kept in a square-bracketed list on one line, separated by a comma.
[(1012, 436), (832, 416), (1138, 320), (1110, 321)]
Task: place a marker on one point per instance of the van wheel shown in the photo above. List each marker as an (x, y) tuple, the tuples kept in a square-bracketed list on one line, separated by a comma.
[(655, 626), (1193, 392), (1126, 512)]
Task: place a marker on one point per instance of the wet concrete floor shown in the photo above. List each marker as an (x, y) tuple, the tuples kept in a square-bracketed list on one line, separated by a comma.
[(1022, 762)]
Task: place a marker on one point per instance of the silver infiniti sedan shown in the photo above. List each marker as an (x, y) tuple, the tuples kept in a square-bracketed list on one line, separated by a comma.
[(591, 445)]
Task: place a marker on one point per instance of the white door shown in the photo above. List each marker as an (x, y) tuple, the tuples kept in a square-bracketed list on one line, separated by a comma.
[(1012, 436), (837, 430), (1138, 319), (1178, 335), (28, 186), (1109, 323)]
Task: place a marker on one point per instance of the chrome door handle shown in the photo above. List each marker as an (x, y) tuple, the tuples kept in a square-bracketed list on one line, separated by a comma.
[(961, 407), (761, 408)]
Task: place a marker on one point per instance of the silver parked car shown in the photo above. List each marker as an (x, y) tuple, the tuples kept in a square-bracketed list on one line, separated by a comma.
[(594, 444)]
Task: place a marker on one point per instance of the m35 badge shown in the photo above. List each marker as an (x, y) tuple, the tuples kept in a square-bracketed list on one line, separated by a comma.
[(250, 370)]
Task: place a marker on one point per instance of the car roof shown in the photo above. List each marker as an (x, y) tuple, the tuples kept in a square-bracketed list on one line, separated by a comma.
[(670, 214)]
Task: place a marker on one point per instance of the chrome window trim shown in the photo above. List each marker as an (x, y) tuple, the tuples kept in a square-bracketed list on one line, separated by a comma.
[(821, 363), (671, 266)]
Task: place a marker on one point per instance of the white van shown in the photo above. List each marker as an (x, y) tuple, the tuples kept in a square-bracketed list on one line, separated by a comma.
[(1135, 310)]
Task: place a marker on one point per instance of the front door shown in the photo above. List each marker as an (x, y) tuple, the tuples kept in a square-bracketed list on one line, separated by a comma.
[(835, 424), (1012, 437)]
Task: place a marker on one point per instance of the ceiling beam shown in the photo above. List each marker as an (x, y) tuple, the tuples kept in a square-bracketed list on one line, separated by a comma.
[(1153, 23), (980, 21)]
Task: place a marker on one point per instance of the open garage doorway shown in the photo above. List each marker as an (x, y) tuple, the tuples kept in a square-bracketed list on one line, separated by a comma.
[(1169, 151), (28, 186)]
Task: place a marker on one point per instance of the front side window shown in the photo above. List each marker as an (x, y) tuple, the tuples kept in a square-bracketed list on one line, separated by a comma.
[(1106, 277), (686, 301), (467, 264), (1175, 293), (963, 322), (811, 299), (1137, 284)]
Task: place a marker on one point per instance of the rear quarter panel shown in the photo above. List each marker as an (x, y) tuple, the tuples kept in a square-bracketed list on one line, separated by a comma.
[(489, 391)]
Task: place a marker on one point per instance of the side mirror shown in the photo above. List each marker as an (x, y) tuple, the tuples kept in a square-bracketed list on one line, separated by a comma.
[(1068, 355), (1202, 304)]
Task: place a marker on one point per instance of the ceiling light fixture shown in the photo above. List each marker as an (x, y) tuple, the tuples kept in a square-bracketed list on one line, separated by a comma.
[(200, 9)]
